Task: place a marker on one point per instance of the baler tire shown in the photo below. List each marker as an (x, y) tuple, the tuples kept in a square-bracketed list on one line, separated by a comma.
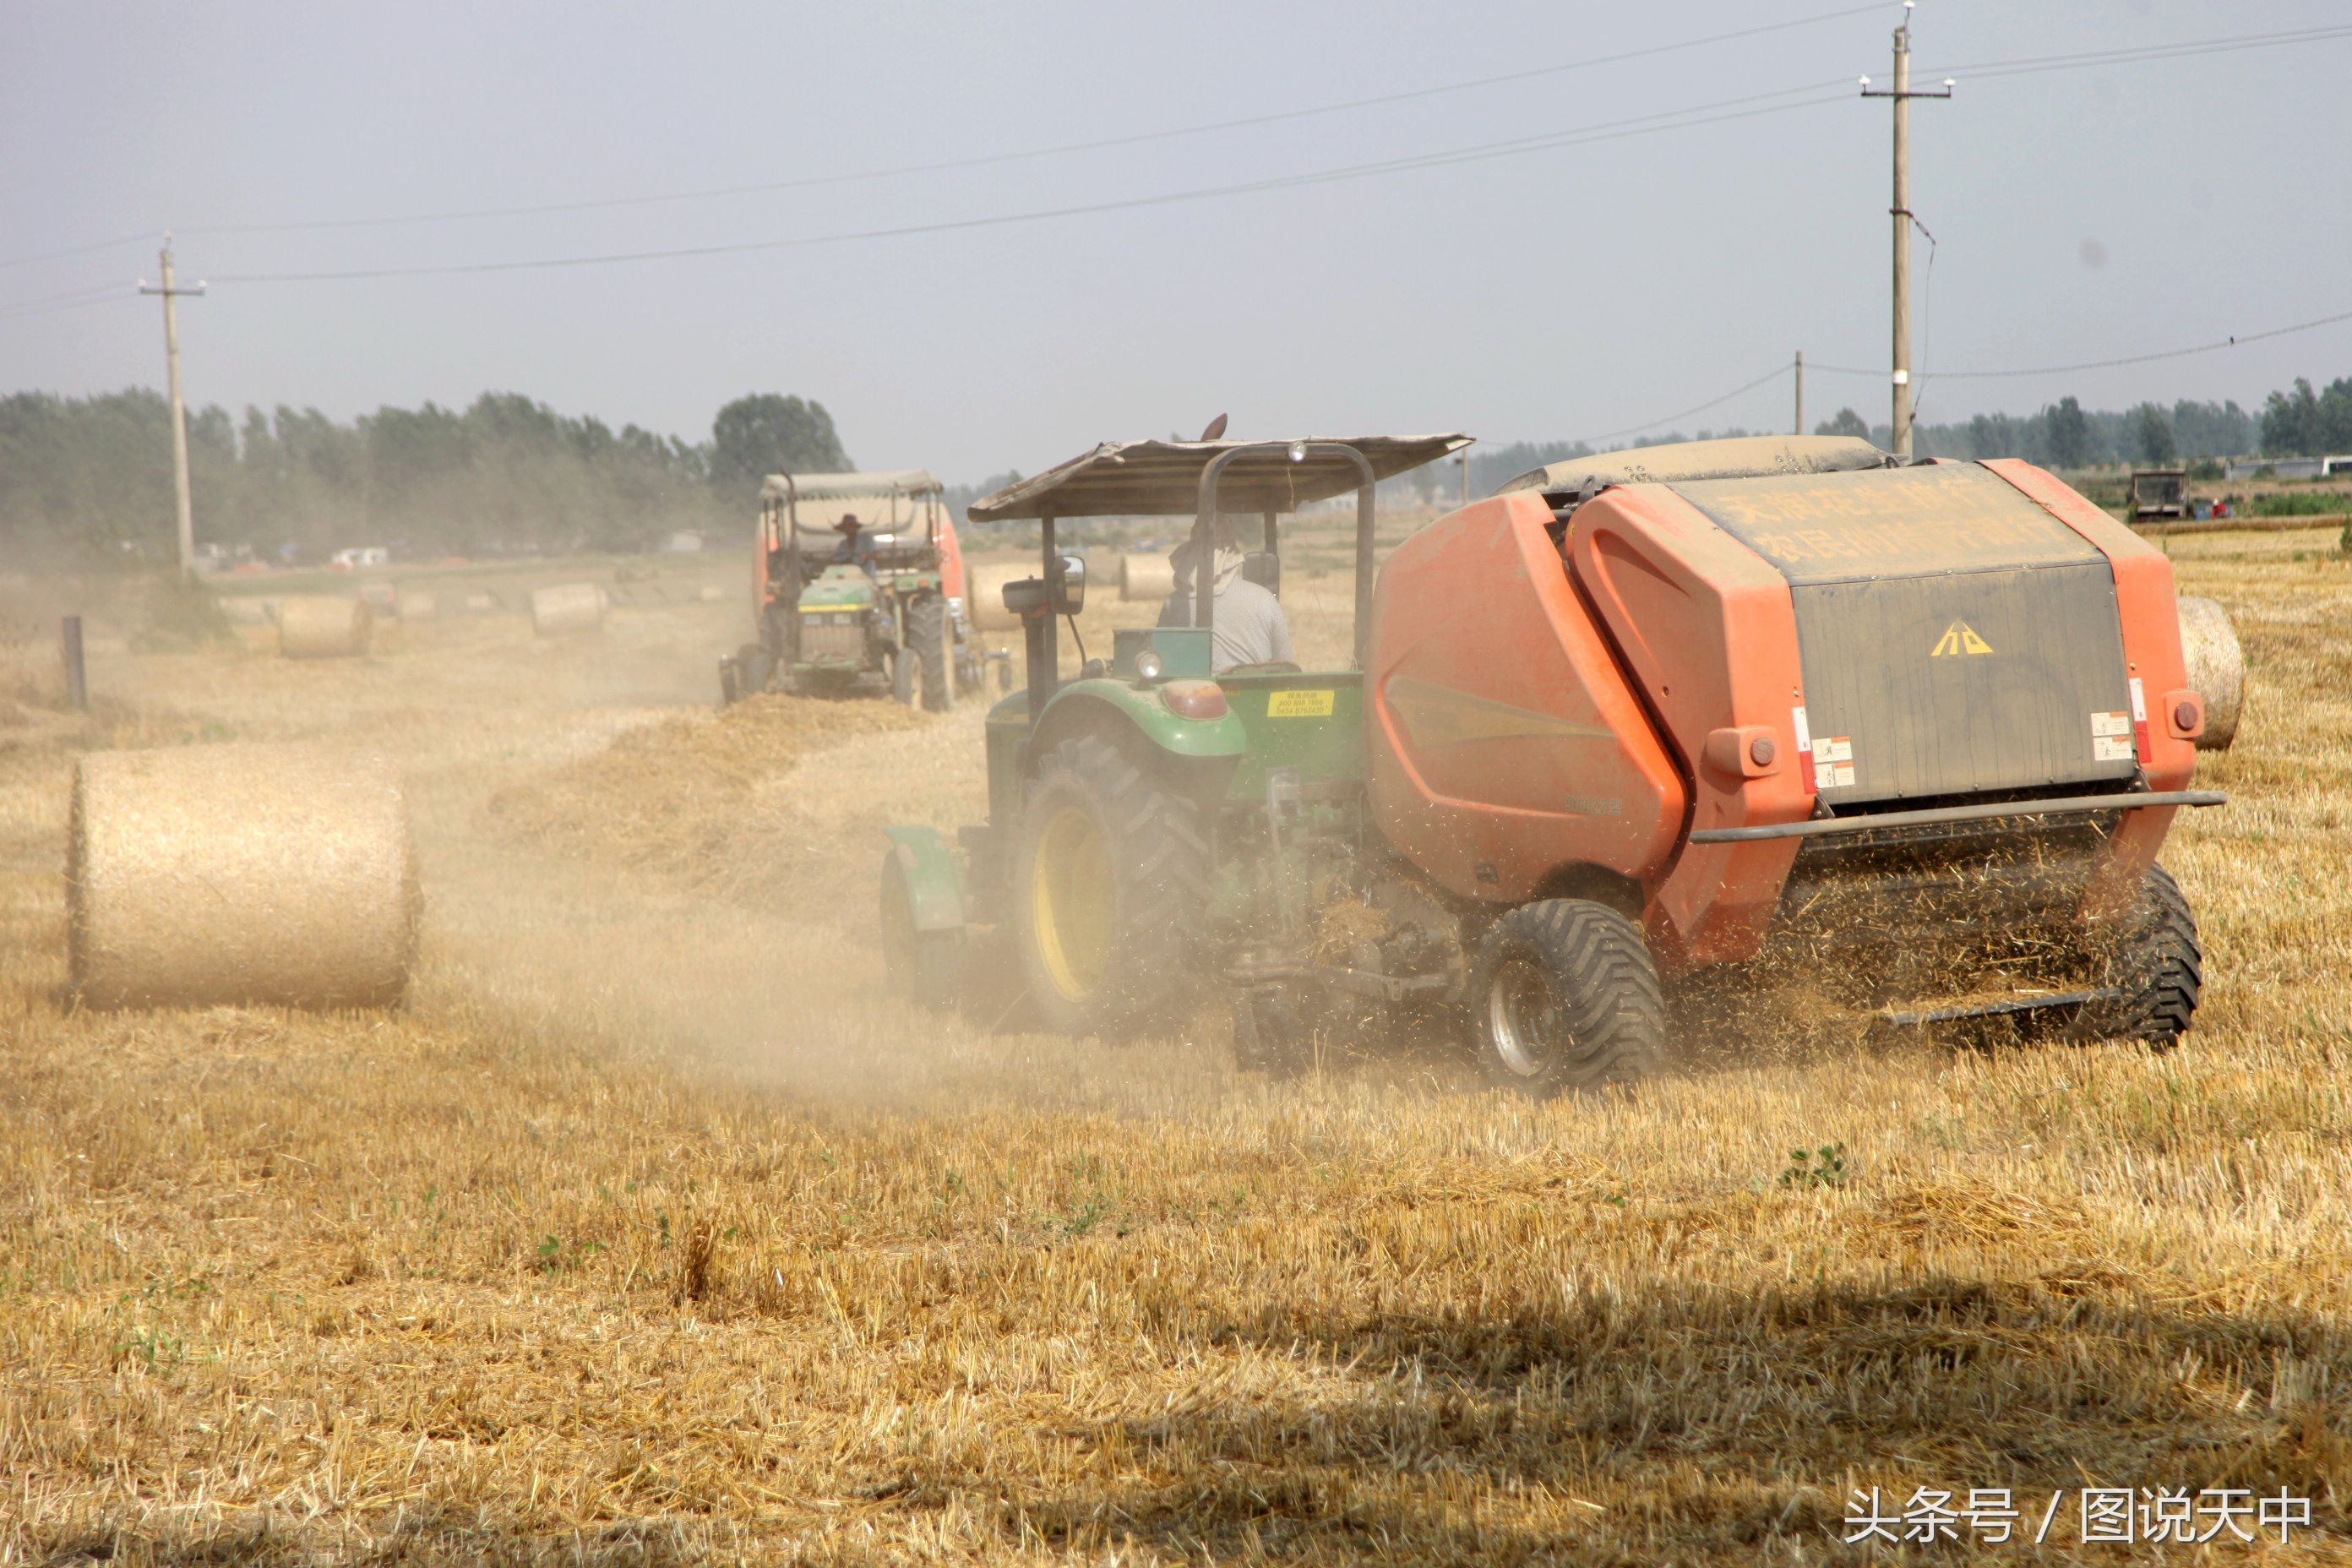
[(1110, 882), (1600, 996), (927, 640), (2158, 964)]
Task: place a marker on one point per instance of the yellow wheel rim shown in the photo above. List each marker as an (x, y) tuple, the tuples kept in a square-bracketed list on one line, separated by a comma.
[(1070, 903)]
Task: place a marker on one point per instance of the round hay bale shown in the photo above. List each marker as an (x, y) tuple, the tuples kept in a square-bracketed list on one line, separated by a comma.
[(2217, 670), (479, 602), (315, 625), (567, 609), (415, 606), (1152, 577), (984, 595), (207, 875)]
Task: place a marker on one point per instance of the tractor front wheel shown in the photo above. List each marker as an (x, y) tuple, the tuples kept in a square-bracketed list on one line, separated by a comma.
[(1564, 996), (926, 641), (1109, 884)]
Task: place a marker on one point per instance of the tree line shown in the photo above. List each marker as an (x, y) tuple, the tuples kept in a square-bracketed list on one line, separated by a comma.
[(85, 480)]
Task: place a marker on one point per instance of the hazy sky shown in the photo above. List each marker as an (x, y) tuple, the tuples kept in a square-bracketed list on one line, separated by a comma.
[(1562, 292)]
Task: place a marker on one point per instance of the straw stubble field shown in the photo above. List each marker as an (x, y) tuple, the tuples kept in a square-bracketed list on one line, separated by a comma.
[(646, 1233)]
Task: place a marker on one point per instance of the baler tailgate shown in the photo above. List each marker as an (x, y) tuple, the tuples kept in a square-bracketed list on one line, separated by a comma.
[(1961, 684), (1955, 638)]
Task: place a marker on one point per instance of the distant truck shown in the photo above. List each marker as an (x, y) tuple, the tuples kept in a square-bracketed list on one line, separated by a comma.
[(359, 557), (2160, 493)]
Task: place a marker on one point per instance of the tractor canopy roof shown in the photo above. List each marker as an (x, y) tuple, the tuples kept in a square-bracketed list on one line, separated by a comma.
[(882, 500), (849, 487), (1162, 479), (1740, 457)]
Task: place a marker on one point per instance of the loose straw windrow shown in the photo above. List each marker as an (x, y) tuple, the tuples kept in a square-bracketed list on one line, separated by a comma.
[(569, 609), (322, 627), (204, 876)]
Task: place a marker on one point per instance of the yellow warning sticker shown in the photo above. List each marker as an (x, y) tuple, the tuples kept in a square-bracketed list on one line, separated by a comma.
[(1959, 638), (1299, 704)]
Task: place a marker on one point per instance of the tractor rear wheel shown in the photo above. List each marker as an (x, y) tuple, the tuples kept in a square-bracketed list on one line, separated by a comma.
[(1564, 996), (927, 640), (925, 967), (2156, 963), (1109, 884)]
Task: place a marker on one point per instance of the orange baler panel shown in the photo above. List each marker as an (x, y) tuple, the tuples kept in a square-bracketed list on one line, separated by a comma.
[(951, 562), (1503, 743), (1708, 628), (2152, 659)]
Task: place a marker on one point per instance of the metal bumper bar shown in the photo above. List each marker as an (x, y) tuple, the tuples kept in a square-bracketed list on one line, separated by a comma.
[(2063, 805)]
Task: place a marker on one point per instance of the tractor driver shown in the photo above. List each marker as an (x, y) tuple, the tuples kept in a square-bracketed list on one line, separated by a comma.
[(1248, 627), (845, 553)]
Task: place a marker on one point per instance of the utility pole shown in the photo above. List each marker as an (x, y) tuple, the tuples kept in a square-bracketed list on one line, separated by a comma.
[(1902, 96), (1462, 461), (1800, 393), (187, 516)]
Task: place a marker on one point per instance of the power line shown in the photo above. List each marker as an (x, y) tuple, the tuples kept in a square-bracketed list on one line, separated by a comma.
[(2133, 55), (2139, 54), (1607, 131), (78, 250), (2027, 65), (985, 160), (1773, 374), (1700, 115), (2228, 343)]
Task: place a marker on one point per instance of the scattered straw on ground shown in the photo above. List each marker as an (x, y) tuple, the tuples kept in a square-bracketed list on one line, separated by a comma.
[(528, 1272), (699, 798)]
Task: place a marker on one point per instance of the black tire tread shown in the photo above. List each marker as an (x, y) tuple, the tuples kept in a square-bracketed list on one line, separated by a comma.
[(2159, 960), (927, 639), (1161, 849), (1600, 968)]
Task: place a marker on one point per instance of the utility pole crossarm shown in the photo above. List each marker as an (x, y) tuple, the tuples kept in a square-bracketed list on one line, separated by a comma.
[(1901, 93), (171, 291)]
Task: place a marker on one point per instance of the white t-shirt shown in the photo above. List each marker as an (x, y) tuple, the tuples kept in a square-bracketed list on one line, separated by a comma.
[(1247, 629)]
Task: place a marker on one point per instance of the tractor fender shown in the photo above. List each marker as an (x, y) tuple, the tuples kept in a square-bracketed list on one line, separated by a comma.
[(1088, 706), (924, 865)]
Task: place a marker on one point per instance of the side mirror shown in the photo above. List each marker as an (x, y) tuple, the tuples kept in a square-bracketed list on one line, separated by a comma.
[(1027, 597)]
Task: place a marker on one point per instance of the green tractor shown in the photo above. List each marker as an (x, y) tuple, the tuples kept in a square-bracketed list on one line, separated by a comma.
[(1149, 825), (857, 585)]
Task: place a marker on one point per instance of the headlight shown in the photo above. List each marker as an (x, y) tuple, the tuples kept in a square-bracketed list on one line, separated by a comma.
[(1194, 698), (1148, 665)]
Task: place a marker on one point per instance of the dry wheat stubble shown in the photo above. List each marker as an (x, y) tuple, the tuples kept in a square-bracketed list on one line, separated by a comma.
[(295, 1286)]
